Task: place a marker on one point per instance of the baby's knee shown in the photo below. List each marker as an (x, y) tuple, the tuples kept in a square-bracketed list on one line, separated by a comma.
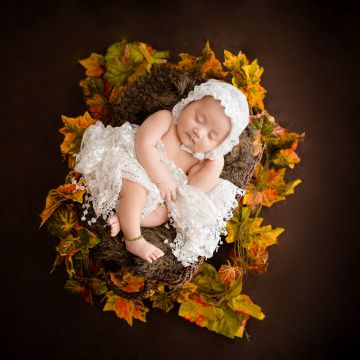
[(158, 217), (131, 189)]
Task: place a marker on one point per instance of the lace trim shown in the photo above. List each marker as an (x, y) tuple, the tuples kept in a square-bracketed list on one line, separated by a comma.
[(199, 219)]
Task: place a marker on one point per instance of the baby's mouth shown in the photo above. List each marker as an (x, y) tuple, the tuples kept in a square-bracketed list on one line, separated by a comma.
[(192, 138)]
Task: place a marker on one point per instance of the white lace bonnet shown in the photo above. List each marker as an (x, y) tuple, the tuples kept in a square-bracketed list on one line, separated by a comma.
[(235, 107)]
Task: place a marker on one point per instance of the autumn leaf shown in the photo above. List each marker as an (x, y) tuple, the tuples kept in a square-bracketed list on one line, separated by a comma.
[(67, 192), (257, 259), (242, 303), (182, 293), (246, 77), (228, 274), (235, 63), (98, 286), (207, 63), (231, 324), (269, 187), (207, 279), (233, 226), (92, 86), (74, 286), (220, 319), (118, 64), (198, 311), (261, 235), (80, 243), (73, 130), (152, 56), (162, 299), (127, 61), (116, 91), (63, 220), (124, 308), (283, 149), (127, 282), (93, 65), (287, 157), (257, 145)]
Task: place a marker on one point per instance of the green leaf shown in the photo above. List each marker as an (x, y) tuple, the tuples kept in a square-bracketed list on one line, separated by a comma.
[(197, 311), (242, 303), (63, 221), (207, 279)]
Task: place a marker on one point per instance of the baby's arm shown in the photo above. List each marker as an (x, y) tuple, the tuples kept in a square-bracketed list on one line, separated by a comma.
[(146, 137), (207, 176)]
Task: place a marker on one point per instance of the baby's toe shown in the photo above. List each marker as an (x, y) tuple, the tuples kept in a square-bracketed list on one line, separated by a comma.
[(152, 256), (159, 253)]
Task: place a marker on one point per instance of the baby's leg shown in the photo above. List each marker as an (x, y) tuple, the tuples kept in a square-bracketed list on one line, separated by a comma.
[(114, 223), (158, 217), (132, 202)]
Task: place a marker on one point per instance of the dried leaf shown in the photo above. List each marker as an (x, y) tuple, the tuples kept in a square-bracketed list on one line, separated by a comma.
[(268, 187), (67, 192), (182, 293), (229, 274), (73, 130), (98, 286), (124, 308), (207, 63), (93, 65), (162, 300), (63, 220), (82, 242), (127, 282)]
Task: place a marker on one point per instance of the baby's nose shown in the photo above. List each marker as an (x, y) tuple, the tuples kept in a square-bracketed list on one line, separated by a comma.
[(198, 133)]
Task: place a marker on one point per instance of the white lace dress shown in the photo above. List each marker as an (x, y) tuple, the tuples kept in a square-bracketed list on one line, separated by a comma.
[(107, 156)]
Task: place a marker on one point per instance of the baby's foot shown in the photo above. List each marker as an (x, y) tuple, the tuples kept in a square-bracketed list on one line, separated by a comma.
[(114, 223), (144, 249)]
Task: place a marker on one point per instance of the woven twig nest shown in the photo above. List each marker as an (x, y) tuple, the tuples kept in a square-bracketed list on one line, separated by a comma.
[(162, 89)]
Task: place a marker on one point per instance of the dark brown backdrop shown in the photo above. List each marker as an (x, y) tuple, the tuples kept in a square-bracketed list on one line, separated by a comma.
[(311, 74)]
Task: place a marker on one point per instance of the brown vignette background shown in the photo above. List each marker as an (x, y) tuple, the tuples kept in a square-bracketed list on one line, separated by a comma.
[(308, 51)]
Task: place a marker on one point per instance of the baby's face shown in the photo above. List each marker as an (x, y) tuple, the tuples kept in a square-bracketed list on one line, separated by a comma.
[(203, 125)]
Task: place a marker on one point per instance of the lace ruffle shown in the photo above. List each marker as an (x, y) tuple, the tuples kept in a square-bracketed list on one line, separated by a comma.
[(199, 218), (107, 155)]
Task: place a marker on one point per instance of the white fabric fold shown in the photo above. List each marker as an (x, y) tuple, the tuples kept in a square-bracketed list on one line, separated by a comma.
[(108, 154)]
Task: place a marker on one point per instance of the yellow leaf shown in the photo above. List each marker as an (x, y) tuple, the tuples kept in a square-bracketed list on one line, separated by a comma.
[(93, 65), (196, 310), (268, 187), (73, 130), (242, 303), (182, 293), (207, 63), (246, 77)]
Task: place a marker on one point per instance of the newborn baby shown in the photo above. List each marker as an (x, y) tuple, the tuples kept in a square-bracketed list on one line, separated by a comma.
[(169, 167)]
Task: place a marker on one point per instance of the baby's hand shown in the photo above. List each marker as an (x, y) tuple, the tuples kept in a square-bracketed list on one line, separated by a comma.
[(168, 189)]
